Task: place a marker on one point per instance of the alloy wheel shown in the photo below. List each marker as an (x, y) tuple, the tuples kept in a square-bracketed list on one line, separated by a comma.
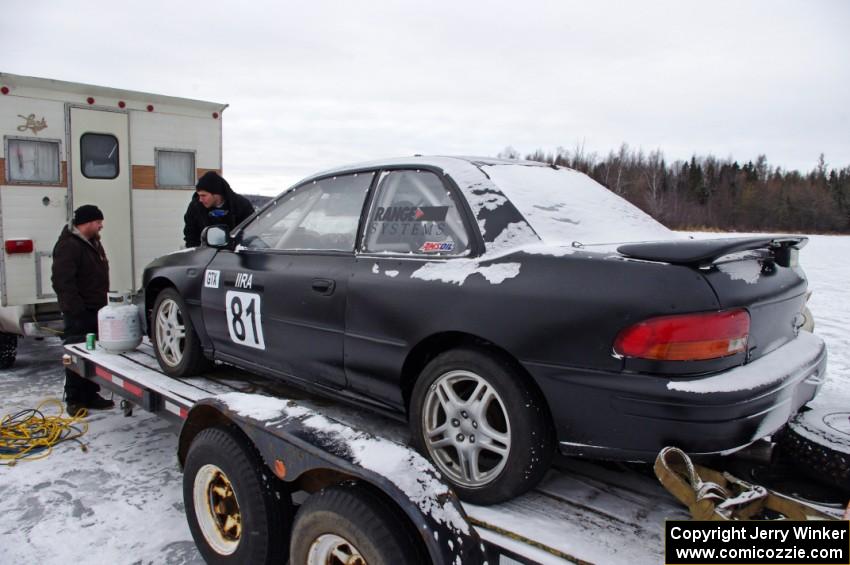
[(170, 332), (466, 428)]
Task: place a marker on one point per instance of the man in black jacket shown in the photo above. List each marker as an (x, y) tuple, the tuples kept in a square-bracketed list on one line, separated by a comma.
[(214, 203), (81, 280)]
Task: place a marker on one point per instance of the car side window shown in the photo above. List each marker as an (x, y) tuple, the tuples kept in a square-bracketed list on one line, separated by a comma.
[(321, 215), (414, 212)]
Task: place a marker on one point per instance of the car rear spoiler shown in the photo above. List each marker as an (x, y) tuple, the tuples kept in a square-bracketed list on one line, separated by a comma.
[(696, 252)]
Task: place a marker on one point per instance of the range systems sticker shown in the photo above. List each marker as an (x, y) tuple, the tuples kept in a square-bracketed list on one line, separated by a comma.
[(411, 214)]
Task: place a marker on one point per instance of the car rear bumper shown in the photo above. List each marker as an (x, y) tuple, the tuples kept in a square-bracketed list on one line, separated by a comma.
[(633, 416)]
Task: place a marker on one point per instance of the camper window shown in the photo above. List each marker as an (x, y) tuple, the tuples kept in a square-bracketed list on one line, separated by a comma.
[(32, 161), (99, 155), (175, 169)]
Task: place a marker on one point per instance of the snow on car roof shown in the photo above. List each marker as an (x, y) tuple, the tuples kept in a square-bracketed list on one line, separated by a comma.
[(439, 161), (561, 205)]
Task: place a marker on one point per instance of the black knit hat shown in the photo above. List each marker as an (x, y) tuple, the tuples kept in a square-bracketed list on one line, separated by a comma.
[(87, 213), (213, 183)]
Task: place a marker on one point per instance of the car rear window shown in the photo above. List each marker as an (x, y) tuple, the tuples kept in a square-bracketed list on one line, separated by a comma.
[(563, 205)]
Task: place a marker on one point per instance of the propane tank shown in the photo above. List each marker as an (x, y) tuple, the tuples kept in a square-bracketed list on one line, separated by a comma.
[(118, 324)]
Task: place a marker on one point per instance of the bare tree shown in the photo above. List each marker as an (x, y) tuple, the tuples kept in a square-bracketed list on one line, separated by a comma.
[(654, 173), (622, 158), (508, 153)]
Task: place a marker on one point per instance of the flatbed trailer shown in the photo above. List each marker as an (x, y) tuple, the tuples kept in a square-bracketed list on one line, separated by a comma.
[(582, 512)]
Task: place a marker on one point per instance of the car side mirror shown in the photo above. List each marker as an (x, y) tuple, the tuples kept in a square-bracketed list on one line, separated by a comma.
[(215, 236)]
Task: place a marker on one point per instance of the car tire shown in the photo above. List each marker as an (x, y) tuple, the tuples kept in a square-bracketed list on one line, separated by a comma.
[(175, 342), (8, 349), (817, 442), (487, 432), (238, 512), (347, 523)]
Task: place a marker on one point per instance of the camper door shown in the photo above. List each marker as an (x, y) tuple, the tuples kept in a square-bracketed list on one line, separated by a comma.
[(100, 175)]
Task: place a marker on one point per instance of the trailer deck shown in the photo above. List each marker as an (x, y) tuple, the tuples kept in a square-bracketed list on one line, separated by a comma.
[(582, 512)]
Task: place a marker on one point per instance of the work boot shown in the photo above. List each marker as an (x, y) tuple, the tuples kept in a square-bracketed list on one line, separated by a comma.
[(73, 407), (97, 402)]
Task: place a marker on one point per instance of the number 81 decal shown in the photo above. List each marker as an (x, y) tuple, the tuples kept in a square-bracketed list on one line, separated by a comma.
[(244, 321)]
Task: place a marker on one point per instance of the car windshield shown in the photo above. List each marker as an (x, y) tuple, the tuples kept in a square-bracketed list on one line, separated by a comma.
[(563, 205)]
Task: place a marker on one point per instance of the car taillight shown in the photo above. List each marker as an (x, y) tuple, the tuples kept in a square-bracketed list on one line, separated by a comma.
[(686, 337)]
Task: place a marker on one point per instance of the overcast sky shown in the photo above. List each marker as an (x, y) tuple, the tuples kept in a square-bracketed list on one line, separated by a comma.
[(318, 84)]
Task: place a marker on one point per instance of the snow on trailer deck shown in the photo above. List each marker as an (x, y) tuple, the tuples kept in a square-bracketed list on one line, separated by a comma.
[(581, 512)]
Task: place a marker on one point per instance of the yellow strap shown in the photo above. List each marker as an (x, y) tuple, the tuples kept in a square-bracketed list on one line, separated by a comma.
[(710, 495)]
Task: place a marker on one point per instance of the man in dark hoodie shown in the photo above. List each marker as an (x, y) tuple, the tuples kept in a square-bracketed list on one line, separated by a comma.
[(214, 203), (81, 280)]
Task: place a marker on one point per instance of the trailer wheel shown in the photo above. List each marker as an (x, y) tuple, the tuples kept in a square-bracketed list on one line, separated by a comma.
[(8, 349), (485, 430), (175, 342), (347, 523), (817, 442), (237, 511)]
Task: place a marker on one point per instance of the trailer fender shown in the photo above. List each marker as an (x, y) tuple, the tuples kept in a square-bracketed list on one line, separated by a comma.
[(311, 451)]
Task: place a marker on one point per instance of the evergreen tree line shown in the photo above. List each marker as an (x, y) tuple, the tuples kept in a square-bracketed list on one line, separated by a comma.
[(714, 194)]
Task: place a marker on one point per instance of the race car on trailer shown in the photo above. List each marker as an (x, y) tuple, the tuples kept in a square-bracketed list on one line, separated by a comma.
[(507, 310)]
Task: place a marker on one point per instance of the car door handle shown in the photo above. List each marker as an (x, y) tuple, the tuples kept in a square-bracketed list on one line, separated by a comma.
[(324, 286)]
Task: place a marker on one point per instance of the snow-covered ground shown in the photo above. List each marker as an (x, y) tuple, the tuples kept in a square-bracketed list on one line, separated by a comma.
[(121, 502)]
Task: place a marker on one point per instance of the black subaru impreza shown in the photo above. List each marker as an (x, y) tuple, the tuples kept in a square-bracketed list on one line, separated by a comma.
[(505, 309)]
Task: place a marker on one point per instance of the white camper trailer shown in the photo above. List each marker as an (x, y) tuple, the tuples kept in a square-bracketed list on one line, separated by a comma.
[(137, 156)]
